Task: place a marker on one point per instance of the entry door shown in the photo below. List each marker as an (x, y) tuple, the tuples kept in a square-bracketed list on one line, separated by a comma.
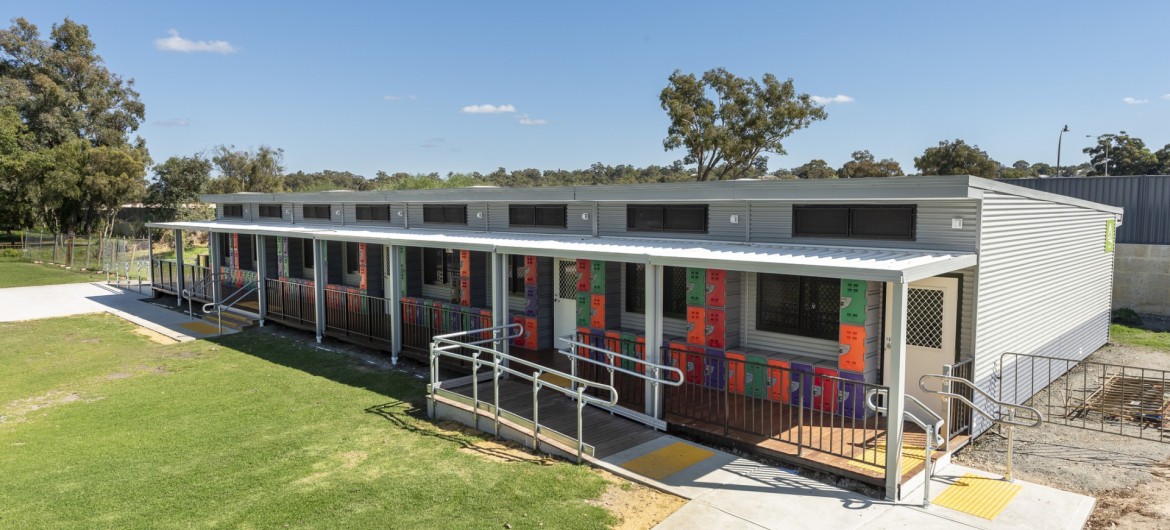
[(564, 300), (932, 324)]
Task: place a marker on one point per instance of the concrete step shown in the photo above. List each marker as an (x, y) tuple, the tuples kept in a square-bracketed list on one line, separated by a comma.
[(231, 320)]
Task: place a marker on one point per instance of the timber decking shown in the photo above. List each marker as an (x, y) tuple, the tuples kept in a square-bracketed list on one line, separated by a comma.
[(608, 433)]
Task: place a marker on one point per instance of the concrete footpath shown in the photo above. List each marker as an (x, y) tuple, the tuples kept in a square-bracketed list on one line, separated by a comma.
[(726, 491), (48, 301)]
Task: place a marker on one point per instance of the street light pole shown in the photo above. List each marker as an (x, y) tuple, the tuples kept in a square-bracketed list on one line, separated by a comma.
[(1058, 140)]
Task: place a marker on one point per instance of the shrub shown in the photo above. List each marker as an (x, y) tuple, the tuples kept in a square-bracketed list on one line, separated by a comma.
[(1126, 317), (10, 253)]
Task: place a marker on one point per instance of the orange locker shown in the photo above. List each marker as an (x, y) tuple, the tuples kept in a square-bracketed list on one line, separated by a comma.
[(530, 270), (735, 371), (696, 326), (716, 288), (778, 379), (682, 358), (852, 348), (715, 329), (613, 343), (518, 341), (597, 311), (465, 291), (465, 263), (640, 352), (530, 333)]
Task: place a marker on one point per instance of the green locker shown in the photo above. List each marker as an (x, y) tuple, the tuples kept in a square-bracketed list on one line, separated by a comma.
[(754, 378), (597, 276), (402, 271), (854, 301), (629, 348), (696, 287), (467, 324), (583, 310)]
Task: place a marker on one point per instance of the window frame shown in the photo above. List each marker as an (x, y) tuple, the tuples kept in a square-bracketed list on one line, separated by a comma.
[(806, 318), (379, 213), (316, 209), (448, 214), (563, 215), (515, 281), (268, 207), (234, 211), (432, 270), (352, 264), (661, 210), (307, 261), (636, 275), (850, 221)]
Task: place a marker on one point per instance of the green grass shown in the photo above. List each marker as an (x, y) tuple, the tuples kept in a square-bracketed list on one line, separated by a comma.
[(189, 253), (1139, 337), (15, 272), (100, 428)]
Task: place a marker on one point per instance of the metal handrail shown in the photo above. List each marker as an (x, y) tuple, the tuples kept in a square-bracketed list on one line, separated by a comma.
[(933, 436), (611, 355), (501, 363), (233, 299), (1011, 421)]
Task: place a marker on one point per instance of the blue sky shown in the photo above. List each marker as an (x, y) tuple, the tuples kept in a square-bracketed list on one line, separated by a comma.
[(386, 86)]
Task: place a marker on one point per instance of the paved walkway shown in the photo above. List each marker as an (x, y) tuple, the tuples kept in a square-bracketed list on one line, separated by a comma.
[(47, 301), (726, 491)]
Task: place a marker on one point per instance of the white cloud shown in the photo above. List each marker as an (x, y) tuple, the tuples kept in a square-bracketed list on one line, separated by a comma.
[(1134, 101), (411, 97), (487, 109), (1166, 97), (431, 143), (525, 120), (839, 98), (175, 43), (173, 122)]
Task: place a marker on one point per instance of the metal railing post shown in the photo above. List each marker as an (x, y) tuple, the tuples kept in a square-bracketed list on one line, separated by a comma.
[(536, 410), (580, 424)]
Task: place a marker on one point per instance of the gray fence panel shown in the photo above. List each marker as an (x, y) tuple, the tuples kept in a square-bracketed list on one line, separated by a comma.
[(1146, 199)]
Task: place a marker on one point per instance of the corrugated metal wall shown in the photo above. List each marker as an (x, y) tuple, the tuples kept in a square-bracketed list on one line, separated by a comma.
[(1044, 284), (1146, 200), (771, 222)]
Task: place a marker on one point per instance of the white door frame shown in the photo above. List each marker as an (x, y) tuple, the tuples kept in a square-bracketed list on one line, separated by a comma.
[(921, 359), (564, 309)]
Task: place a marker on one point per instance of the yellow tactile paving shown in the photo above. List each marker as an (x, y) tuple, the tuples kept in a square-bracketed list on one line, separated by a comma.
[(911, 456), (667, 461), (979, 496), (202, 328)]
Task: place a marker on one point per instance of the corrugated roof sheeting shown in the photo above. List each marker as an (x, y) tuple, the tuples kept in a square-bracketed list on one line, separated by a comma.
[(1146, 200)]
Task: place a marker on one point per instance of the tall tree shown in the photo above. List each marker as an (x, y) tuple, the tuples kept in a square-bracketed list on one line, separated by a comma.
[(83, 163), (815, 169), (324, 181), (179, 182), (1163, 156), (1124, 155), (863, 165), (258, 171), (724, 136), (16, 187), (956, 158)]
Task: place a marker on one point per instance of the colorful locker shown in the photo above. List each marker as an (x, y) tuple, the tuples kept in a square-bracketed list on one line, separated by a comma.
[(716, 328), (465, 291), (583, 276), (518, 340), (778, 379), (855, 344), (801, 382), (531, 333), (852, 396), (696, 286), (640, 352), (613, 343), (465, 263), (682, 358), (825, 388), (857, 301), (531, 302), (735, 371), (696, 326), (363, 268), (597, 277), (716, 288), (630, 348), (597, 310), (530, 271), (754, 378), (583, 312)]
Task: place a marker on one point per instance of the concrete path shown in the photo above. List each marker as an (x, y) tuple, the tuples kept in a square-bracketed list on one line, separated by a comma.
[(48, 301), (726, 491)]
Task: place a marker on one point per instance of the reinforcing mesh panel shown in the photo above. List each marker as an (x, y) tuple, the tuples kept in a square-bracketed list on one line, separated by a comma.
[(924, 318)]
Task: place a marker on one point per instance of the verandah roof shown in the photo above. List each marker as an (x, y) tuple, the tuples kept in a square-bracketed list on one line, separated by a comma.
[(894, 265)]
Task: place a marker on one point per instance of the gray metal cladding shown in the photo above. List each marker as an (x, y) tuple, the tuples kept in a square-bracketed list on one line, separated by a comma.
[(1045, 283), (1146, 200), (771, 222), (727, 221), (336, 215), (779, 342), (574, 222)]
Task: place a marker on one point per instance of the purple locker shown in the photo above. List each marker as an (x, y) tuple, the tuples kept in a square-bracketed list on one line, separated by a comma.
[(851, 396), (802, 382), (715, 369)]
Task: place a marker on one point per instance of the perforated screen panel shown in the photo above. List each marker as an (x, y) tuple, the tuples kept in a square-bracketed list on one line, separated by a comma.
[(567, 277), (924, 318)]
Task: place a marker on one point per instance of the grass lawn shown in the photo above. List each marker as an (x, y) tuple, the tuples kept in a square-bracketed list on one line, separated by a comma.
[(101, 428), (189, 253), (15, 272), (1140, 337)]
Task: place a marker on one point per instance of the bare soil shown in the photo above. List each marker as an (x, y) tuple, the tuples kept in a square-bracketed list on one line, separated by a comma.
[(1130, 477)]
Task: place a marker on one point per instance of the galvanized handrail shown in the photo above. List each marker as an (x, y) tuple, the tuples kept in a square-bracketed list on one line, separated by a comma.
[(233, 299), (611, 355), (502, 363), (1035, 419), (933, 433)]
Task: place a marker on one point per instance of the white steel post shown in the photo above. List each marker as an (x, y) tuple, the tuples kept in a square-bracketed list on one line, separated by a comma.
[(896, 382), (653, 302), (213, 268), (261, 278), (180, 281), (319, 276), (500, 296), (394, 295)]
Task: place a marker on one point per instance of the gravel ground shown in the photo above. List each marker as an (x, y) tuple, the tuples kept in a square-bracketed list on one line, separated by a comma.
[(1129, 476)]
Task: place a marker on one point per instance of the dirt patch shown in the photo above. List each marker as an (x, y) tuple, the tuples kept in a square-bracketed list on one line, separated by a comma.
[(154, 336), (1129, 476), (351, 459), (635, 505), (118, 375), (19, 408), (504, 451)]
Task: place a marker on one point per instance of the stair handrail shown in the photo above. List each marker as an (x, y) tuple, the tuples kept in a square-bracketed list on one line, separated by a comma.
[(611, 355), (1035, 419), (932, 429), (248, 288), (505, 364)]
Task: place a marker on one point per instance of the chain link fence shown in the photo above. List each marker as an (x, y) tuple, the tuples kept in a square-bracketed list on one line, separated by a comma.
[(89, 253)]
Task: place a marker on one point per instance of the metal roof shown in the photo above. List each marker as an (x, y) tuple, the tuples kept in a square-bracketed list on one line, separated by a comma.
[(807, 260)]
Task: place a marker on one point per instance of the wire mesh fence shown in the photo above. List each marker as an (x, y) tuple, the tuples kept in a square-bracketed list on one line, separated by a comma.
[(90, 253)]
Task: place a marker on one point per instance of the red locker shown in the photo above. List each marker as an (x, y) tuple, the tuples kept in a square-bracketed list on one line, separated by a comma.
[(583, 276), (465, 292), (716, 288), (735, 371), (682, 358), (531, 333), (778, 379), (519, 340), (640, 352), (613, 343), (696, 326), (597, 311), (530, 269), (716, 328), (824, 389), (465, 263)]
